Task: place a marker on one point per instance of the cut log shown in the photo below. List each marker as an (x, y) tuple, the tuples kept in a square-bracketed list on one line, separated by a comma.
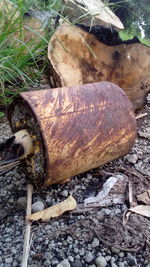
[(78, 57), (73, 129), (90, 13)]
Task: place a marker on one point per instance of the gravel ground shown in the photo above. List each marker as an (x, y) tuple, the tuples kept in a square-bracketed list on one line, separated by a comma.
[(95, 238)]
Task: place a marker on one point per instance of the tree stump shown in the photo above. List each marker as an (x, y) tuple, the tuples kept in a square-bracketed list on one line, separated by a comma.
[(78, 57)]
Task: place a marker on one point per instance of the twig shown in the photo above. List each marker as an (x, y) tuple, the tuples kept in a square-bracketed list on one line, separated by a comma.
[(141, 116), (8, 167), (26, 245)]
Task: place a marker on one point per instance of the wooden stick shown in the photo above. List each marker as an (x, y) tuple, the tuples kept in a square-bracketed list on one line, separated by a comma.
[(141, 116), (26, 245)]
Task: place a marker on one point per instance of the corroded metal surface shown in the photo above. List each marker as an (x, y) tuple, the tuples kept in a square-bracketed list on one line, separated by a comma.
[(83, 127)]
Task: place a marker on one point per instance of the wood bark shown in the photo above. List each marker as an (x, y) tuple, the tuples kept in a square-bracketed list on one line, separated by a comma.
[(80, 127), (77, 57)]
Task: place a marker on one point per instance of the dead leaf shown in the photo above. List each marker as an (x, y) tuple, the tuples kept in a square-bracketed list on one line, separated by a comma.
[(144, 197), (54, 211), (140, 209)]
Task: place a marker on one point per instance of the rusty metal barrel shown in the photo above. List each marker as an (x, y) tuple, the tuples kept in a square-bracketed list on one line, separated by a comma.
[(73, 129)]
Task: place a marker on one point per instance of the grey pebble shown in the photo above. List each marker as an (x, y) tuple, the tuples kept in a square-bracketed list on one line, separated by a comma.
[(113, 265), (55, 223), (8, 239), (132, 158), (64, 263), (115, 250), (131, 260), (121, 264), (121, 254), (76, 250), (148, 98), (54, 261), (107, 211), (95, 243), (108, 258), (82, 252), (124, 207), (89, 176), (69, 239), (9, 260), (37, 206), (89, 257), (100, 261), (117, 211), (113, 260), (145, 134), (46, 263), (77, 263), (70, 258), (48, 227), (64, 193)]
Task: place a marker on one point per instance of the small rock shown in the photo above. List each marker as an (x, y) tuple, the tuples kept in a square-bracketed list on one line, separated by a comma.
[(9, 260), (113, 265), (148, 99), (107, 212), (65, 263), (76, 250), (48, 227), (131, 260), (64, 193), (113, 260), (124, 207), (54, 261), (121, 254), (55, 223), (8, 239), (70, 258), (100, 261), (37, 206), (117, 211), (145, 134), (121, 264), (69, 239), (89, 257), (95, 243), (89, 176), (132, 158), (82, 252), (47, 263), (108, 258), (115, 250), (77, 263)]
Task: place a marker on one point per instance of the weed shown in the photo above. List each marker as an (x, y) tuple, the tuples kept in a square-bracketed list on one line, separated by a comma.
[(23, 45)]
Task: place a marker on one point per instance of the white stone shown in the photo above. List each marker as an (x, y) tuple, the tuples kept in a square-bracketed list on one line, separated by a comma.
[(100, 261), (89, 257), (95, 243), (132, 158), (64, 263), (37, 206)]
